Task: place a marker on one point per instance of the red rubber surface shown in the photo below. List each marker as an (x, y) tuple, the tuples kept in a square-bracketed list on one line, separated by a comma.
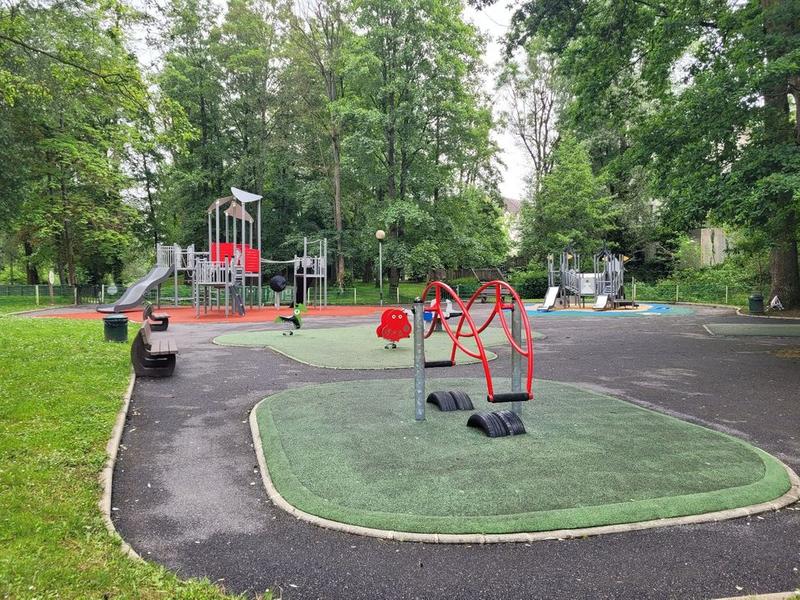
[(186, 314)]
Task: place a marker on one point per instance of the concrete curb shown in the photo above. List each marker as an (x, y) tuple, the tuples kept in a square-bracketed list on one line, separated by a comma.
[(25, 312), (775, 596), (745, 314), (790, 497), (107, 474), (718, 335)]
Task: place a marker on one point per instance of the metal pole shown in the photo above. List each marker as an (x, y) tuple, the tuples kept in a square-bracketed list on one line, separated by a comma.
[(37, 295), (305, 270), (176, 263), (419, 361), (260, 300), (726, 295), (75, 295), (325, 262), (398, 293), (676, 293), (380, 269), (355, 295), (516, 358), (226, 234)]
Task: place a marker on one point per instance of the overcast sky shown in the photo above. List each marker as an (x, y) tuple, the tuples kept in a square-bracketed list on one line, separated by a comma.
[(494, 21)]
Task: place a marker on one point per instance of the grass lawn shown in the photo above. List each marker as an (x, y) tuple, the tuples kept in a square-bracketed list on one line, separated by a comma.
[(10, 304), (358, 347), (61, 387), (352, 452)]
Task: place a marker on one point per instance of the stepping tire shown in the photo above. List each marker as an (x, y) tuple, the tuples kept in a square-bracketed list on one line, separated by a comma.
[(462, 400), (443, 400), (489, 423), (511, 421)]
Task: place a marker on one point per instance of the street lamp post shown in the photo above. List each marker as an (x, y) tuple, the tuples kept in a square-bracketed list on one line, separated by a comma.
[(380, 235)]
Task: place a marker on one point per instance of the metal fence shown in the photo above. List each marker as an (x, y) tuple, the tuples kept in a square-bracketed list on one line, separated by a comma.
[(734, 295)]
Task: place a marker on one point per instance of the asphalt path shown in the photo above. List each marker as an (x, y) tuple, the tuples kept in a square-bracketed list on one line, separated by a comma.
[(187, 492)]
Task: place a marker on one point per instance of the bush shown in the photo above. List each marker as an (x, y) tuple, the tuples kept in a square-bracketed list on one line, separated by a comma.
[(530, 283)]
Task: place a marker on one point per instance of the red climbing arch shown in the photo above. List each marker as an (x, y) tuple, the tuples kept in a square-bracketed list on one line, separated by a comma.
[(501, 289)]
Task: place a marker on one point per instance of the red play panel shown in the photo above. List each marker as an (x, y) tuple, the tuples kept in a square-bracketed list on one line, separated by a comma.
[(225, 250)]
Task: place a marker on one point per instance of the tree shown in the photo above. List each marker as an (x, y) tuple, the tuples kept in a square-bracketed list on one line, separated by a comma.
[(191, 78), (419, 132), (537, 95), (320, 35), (717, 132), (572, 206), (67, 118)]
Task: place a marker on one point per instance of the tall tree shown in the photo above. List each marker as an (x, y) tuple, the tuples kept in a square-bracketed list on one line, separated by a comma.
[(571, 207), (420, 132), (536, 95), (191, 77), (320, 35), (67, 118)]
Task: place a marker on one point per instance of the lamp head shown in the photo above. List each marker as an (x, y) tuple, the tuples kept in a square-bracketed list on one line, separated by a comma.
[(380, 234)]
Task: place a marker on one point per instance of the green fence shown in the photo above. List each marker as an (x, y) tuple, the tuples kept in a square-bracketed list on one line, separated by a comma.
[(677, 292)]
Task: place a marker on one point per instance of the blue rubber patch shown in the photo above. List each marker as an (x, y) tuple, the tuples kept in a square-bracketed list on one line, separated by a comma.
[(652, 310)]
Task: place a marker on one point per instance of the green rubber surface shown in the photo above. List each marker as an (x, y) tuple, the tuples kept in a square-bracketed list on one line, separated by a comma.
[(358, 347), (737, 329), (352, 452)]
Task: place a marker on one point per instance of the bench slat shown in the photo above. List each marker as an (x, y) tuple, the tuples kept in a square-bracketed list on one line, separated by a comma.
[(163, 346)]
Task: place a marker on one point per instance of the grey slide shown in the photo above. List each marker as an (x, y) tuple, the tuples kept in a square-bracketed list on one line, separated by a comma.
[(134, 295)]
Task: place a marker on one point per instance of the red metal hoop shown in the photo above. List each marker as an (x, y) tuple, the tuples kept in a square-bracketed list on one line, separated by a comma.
[(499, 307)]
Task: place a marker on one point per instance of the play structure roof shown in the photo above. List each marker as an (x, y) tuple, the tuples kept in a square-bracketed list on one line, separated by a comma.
[(234, 209), (244, 197), (237, 211)]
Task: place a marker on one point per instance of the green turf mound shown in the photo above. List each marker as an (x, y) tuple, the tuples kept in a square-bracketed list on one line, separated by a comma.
[(357, 347), (352, 452), (752, 329)]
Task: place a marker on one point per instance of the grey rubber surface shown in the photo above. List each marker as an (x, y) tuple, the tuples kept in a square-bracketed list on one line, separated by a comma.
[(187, 492)]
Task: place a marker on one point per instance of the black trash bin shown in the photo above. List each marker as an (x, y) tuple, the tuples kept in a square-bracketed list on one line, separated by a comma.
[(115, 328), (756, 304)]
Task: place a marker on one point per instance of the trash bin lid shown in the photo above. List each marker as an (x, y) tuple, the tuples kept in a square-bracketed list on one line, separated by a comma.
[(115, 319)]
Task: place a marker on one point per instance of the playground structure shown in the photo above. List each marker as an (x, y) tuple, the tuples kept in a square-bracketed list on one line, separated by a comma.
[(230, 274), (570, 285), (494, 424)]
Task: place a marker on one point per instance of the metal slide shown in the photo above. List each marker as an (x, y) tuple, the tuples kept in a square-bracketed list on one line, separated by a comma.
[(134, 295), (549, 299), (601, 302)]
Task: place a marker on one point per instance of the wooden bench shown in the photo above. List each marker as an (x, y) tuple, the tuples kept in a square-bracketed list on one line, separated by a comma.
[(153, 356), (158, 321)]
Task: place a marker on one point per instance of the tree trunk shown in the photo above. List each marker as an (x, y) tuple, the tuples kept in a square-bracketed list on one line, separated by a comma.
[(779, 131), (391, 158), (337, 207), (69, 253), (368, 274), (151, 206), (30, 268), (783, 268)]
